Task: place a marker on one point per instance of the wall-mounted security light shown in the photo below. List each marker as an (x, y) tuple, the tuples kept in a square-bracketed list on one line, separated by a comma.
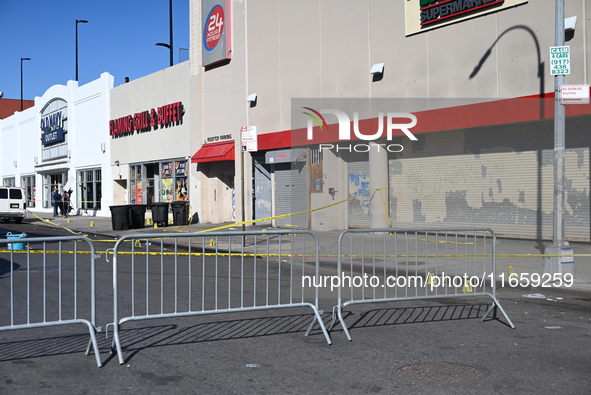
[(252, 99), (116, 163), (103, 147), (377, 68), (15, 164), (569, 28), (570, 23)]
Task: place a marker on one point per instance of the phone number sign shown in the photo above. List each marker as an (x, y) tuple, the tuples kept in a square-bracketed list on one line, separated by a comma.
[(560, 60)]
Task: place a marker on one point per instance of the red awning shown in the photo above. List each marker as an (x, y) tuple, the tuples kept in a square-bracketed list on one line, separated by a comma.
[(214, 152)]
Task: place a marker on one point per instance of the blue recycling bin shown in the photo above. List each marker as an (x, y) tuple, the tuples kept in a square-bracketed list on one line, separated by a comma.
[(16, 246)]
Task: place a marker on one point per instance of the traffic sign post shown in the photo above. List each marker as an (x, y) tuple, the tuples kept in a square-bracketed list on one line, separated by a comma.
[(574, 94), (249, 138), (560, 60), (559, 66)]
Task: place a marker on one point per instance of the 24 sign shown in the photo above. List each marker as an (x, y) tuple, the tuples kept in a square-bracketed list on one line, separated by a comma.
[(214, 27)]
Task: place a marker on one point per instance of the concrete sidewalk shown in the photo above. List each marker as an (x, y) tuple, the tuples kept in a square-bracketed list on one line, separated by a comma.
[(523, 256)]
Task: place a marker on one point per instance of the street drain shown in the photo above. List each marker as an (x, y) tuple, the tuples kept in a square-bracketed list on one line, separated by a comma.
[(440, 372)]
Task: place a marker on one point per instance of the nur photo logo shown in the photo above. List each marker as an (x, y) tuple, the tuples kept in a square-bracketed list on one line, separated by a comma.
[(390, 122)]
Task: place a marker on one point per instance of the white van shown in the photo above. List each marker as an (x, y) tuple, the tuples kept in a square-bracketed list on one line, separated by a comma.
[(13, 204)]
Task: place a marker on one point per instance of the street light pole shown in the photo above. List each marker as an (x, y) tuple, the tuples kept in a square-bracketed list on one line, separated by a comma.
[(22, 81), (77, 22), (170, 31), (169, 46), (559, 136), (556, 265)]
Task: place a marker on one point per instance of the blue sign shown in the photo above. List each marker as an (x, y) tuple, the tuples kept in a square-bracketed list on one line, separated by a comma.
[(53, 136)]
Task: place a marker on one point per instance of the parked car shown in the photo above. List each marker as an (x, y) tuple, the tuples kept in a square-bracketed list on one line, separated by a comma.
[(13, 204)]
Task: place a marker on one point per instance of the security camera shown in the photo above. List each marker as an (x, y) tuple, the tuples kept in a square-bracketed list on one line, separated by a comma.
[(1, 94)]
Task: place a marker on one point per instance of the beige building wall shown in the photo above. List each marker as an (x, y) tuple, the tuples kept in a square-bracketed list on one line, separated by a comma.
[(171, 141), (325, 48)]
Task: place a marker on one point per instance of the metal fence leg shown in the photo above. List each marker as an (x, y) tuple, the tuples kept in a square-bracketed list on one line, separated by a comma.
[(318, 318), (92, 344), (493, 308), (116, 344), (342, 321)]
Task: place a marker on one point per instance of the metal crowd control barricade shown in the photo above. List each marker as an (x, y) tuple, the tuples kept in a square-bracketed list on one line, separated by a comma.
[(385, 265), (50, 282), (156, 276)]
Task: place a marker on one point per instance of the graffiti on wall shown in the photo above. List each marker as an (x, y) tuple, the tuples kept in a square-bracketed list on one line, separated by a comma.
[(359, 186)]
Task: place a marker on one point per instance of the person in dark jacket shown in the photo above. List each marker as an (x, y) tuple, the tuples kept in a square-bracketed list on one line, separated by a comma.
[(56, 200), (65, 203)]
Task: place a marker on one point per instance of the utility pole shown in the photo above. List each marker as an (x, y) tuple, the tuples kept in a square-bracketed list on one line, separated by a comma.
[(558, 266)]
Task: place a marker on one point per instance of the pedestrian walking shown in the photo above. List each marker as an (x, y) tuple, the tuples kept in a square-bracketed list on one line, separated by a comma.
[(56, 200)]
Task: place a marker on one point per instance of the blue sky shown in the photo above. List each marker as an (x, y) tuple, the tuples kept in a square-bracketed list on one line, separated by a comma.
[(119, 38)]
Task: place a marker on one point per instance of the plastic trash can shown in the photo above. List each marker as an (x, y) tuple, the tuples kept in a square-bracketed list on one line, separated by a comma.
[(137, 216), (160, 213), (16, 246), (120, 216), (180, 212)]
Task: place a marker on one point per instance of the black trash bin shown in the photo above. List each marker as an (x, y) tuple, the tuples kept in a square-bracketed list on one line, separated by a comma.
[(120, 217), (137, 215), (180, 212), (160, 213)]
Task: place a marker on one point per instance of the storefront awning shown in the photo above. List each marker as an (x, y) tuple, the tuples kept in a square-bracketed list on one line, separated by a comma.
[(214, 152)]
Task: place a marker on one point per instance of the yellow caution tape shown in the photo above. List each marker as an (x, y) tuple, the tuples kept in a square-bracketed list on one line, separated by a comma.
[(55, 224)]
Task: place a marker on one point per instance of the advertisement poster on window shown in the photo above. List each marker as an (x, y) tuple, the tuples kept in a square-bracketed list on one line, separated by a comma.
[(132, 192), (139, 194), (167, 190), (180, 169), (166, 170), (181, 189)]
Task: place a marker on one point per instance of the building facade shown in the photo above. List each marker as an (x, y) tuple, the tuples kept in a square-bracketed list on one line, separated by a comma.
[(474, 74), (61, 142), (149, 131)]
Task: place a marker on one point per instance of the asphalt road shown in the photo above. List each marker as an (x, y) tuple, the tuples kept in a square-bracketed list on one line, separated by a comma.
[(435, 346)]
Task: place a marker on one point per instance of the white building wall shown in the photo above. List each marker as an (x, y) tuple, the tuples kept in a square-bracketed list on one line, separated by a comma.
[(88, 114)]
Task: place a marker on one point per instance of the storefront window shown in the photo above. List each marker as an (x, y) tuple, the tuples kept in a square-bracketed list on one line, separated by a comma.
[(28, 182), (158, 182), (135, 179), (180, 174), (8, 182), (89, 189), (167, 182)]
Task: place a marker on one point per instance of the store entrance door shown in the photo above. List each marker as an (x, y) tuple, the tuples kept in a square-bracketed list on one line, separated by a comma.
[(51, 181)]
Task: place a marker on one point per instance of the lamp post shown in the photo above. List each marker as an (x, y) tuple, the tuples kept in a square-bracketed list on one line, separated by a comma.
[(555, 265), (166, 46), (22, 81), (169, 46), (77, 22)]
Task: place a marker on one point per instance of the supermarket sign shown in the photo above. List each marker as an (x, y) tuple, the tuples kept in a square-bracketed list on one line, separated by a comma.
[(422, 15)]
